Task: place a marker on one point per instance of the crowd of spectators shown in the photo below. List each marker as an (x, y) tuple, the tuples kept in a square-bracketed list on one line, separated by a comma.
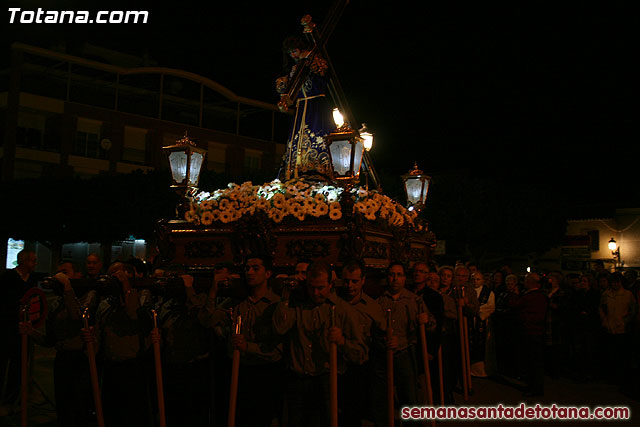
[(479, 324)]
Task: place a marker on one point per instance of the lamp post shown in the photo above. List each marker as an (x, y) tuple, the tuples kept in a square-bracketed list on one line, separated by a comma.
[(185, 162), (615, 251), (416, 186)]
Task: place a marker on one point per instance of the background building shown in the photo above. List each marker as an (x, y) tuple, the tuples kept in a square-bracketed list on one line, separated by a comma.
[(586, 241), (111, 113)]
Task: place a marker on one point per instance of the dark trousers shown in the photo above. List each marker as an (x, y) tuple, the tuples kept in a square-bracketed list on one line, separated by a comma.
[(405, 380), (187, 392), (125, 393), (10, 363), (259, 395), (618, 347), (354, 394), (451, 364), (533, 352), (73, 391), (308, 400)]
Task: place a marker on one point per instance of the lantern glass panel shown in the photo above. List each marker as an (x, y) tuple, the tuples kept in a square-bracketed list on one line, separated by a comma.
[(196, 164), (414, 190), (178, 162), (359, 147), (341, 156)]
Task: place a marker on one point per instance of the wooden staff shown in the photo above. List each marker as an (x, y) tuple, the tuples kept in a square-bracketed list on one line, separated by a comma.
[(235, 370), (391, 414), (467, 353), (158, 360), (463, 352), (425, 362), (333, 373), (24, 390), (93, 371), (440, 375)]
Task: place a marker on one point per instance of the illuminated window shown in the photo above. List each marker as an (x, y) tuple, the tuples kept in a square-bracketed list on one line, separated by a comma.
[(13, 247)]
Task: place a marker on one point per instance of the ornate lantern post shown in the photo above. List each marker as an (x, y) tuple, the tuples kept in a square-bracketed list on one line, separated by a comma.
[(416, 185), (185, 162), (345, 150)]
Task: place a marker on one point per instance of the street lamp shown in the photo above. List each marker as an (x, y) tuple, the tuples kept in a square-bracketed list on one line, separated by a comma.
[(416, 185), (615, 251), (185, 162)]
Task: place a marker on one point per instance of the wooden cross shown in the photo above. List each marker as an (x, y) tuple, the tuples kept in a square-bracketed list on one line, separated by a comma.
[(319, 39)]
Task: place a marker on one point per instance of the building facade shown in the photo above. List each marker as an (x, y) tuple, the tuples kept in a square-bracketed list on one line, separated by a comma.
[(64, 115)]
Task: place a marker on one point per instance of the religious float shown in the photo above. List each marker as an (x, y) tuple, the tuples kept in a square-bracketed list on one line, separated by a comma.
[(318, 208)]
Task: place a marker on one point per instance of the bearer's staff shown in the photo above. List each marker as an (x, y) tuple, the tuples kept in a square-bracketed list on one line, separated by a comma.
[(24, 380), (155, 338), (93, 370), (333, 373), (390, 386), (423, 319), (463, 346), (440, 376), (235, 371)]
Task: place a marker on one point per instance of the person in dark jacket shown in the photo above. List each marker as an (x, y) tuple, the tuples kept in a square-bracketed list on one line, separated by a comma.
[(531, 308)]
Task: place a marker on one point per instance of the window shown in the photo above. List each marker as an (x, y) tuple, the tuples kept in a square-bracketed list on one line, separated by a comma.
[(594, 237), (30, 130), (252, 160), (216, 157), (135, 145), (87, 141)]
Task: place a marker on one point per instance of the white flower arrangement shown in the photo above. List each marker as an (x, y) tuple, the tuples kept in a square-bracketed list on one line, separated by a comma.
[(297, 199)]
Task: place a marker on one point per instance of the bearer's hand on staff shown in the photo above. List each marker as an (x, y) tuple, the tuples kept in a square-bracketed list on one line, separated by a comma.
[(187, 280), (290, 285), (122, 277), (239, 342), (25, 328), (335, 335), (87, 335), (392, 342), (155, 336), (423, 318), (62, 278), (221, 280)]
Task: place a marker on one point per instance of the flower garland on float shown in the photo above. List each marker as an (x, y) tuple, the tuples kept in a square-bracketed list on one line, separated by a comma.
[(296, 199)]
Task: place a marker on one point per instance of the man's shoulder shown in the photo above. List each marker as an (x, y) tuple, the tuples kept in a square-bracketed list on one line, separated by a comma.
[(367, 299)]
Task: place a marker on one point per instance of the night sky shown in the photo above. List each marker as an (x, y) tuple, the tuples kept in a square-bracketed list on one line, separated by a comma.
[(538, 95)]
